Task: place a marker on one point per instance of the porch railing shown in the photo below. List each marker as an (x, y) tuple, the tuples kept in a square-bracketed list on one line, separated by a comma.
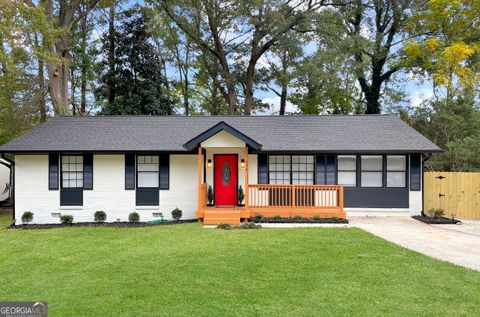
[(295, 196)]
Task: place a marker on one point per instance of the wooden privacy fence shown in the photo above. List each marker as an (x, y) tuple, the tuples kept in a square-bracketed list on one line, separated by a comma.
[(456, 193)]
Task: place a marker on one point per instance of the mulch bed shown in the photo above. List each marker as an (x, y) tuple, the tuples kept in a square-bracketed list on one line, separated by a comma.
[(303, 220), (436, 220), (117, 224)]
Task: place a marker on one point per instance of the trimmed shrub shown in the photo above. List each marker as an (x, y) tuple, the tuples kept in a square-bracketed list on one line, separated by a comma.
[(317, 217), (297, 217), (335, 218), (277, 217), (210, 195), (27, 217), (224, 226), (258, 216), (66, 218), (100, 216), (176, 214), (134, 217), (240, 195)]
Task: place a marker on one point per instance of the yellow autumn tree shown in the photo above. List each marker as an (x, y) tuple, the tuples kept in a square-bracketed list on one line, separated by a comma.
[(448, 47)]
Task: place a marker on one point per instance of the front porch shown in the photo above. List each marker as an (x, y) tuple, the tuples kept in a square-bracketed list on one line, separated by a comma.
[(270, 200), (224, 165)]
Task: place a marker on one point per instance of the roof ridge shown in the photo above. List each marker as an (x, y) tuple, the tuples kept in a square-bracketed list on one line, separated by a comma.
[(234, 116)]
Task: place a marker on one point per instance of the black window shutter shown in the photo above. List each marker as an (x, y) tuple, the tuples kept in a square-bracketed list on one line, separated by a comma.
[(415, 172), (262, 171), (88, 171), (321, 169), (129, 171), (53, 171), (164, 172)]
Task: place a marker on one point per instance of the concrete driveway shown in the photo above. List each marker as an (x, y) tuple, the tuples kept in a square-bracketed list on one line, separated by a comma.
[(458, 244)]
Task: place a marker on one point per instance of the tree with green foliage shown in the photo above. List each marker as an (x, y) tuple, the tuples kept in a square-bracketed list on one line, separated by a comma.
[(139, 85), (375, 31)]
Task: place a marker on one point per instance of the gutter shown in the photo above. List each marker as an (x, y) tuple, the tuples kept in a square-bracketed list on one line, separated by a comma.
[(12, 183), (423, 181)]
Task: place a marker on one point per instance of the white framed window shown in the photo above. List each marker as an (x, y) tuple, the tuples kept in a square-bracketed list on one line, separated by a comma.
[(291, 169), (72, 171), (147, 171), (396, 170), (372, 171), (347, 170)]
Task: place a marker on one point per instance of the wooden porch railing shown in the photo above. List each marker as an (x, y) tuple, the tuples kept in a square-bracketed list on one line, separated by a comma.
[(312, 197)]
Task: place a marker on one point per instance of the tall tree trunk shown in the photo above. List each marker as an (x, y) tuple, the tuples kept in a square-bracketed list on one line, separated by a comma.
[(249, 88), (111, 54), (283, 99), (83, 89), (42, 107)]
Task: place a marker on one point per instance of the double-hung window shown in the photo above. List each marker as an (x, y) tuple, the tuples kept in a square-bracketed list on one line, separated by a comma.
[(347, 170), (372, 171), (72, 171), (147, 171), (396, 170), (291, 169)]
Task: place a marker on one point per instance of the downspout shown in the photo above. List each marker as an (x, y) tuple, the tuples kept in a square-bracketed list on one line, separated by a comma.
[(12, 185), (423, 179)]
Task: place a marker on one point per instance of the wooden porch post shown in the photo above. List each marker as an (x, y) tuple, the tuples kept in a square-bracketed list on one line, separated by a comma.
[(246, 179), (199, 177)]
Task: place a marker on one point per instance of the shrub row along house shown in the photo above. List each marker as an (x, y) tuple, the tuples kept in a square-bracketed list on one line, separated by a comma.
[(270, 165)]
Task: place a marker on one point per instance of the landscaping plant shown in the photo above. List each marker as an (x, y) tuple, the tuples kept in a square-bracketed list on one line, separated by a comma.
[(176, 214), (27, 217), (66, 219), (134, 217), (210, 195), (100, 216), (241, 195)]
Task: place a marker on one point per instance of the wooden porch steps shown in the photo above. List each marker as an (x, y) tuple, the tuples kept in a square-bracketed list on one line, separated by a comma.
[(218, 216)]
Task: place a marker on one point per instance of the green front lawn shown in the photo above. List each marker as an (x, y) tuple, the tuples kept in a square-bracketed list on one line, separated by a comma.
[(185, 270)]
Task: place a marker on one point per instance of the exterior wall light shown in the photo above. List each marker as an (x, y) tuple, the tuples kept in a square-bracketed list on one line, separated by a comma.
[(209, 163), (242, 163)]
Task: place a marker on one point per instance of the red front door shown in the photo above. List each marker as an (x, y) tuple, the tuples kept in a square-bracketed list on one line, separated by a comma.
[(226, 178)]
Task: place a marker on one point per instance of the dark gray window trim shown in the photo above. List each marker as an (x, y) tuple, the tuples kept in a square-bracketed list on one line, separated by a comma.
[(291, 164), (88, 171), (407, 164), (130, 171), (382, 170), (416, 184), (53, 171), (164, 172), (70, 196)]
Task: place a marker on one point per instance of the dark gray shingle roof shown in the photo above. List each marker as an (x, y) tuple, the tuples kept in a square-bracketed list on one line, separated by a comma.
[(363, 133)]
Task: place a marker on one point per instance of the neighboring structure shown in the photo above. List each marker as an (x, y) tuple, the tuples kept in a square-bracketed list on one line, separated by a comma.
[(287, 165), (4, 181)]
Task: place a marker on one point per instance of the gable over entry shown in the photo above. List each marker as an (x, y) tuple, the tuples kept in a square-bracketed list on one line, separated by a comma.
[(217, 129)]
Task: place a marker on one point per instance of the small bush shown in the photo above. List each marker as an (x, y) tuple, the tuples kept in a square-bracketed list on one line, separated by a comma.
[(66, 219), (317, 217), (134, 217), (297, 217), (27, 217), (335, 218), (100, 216), (277, 217), (210, 195), (176, 214), (224, 226), (249, 225), (240, 195), (436, 213), (258, 216)]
